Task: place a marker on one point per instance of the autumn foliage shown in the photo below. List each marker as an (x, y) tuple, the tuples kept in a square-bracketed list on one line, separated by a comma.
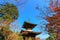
[(54, 21)]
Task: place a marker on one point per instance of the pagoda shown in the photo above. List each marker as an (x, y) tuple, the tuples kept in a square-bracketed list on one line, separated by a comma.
[(28, 32)]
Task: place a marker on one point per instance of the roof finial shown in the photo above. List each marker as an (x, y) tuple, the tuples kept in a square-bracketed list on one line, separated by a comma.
[(29, 19)]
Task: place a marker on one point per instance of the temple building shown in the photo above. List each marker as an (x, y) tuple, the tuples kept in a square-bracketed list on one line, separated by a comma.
[(28, 33)]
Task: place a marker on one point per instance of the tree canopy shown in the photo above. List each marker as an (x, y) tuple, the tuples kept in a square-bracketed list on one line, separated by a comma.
[(8, 12)]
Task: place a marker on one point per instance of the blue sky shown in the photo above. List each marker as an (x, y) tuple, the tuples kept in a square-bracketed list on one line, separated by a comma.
[(27, 12)]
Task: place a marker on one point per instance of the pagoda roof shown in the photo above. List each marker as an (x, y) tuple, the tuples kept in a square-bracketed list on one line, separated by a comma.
[(28, 25), (29, 33)]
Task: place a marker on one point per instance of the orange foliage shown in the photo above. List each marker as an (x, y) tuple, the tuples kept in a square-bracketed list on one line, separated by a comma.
[(55, 7), (51, 20), (58, 36)]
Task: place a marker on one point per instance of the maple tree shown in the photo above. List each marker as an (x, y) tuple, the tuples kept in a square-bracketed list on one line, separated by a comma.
[(54, 21)]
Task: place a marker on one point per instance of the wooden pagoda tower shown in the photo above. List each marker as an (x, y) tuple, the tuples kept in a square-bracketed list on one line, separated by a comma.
[(28, 32)]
